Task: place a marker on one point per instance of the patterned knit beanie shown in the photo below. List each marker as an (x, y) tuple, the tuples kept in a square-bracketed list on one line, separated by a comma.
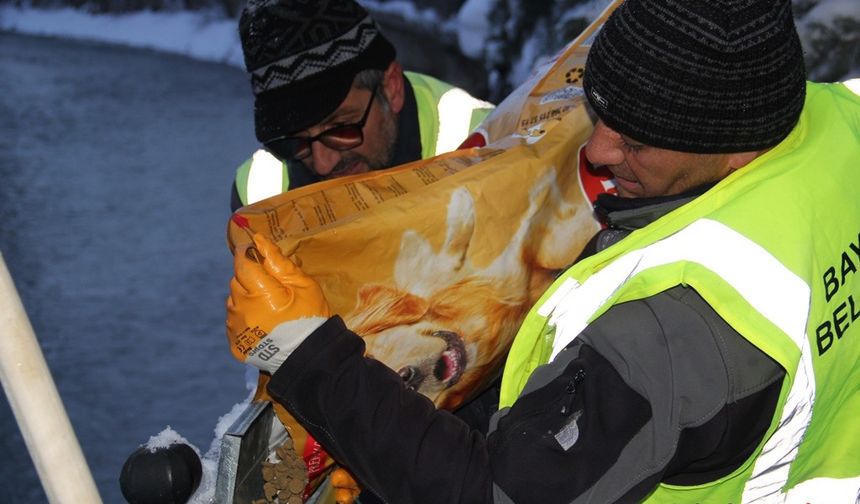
[(702, 76), (303, 56)]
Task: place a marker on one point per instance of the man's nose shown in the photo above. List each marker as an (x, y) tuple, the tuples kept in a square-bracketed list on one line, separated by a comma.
[(323, 158), (605, 147)]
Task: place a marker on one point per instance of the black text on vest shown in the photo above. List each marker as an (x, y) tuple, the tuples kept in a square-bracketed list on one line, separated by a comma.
[(848, 310)]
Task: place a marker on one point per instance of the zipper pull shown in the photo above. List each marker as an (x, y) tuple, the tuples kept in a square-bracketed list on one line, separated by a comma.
[(570, 389)]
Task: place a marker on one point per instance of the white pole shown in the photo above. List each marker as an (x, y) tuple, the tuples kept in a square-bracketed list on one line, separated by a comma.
[(37, 406)]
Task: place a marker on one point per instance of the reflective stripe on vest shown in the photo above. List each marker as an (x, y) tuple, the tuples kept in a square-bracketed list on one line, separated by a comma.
[(455, 111), (742, 263), (265, 177), (755, 274), (446, 114)]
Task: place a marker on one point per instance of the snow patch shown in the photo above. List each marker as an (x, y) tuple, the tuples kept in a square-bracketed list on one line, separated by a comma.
[(826, 12), (200, 35), (404, 9), (166, 438), (473, 27)]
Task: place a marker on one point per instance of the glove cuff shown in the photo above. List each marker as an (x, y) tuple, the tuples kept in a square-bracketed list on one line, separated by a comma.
[(274, 349)]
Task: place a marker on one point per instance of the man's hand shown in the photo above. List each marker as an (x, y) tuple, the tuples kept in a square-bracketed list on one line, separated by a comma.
[(273, 306)]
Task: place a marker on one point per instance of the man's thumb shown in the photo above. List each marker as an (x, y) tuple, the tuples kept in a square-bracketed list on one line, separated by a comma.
[(277, 264)]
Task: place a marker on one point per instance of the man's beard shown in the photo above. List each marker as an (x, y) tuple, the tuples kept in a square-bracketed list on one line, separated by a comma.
[(378, 160)]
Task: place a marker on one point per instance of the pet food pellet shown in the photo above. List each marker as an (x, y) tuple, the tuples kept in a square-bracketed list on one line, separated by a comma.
[(270, 491), (296, 486), (268, 473)]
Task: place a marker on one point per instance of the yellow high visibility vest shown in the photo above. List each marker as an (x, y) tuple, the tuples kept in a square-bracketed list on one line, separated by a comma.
[(775, 249)]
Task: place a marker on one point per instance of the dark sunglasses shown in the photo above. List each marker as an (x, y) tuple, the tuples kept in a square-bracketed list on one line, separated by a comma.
[(340, 138)]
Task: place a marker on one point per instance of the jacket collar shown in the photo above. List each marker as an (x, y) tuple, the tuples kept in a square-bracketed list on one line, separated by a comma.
[(622, 216)]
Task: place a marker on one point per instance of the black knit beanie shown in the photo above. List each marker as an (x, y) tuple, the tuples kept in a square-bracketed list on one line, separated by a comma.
[(303, 56), (702, 76)]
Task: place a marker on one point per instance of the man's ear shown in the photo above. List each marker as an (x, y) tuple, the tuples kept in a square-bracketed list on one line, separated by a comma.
[(393, 86), (738, 160)]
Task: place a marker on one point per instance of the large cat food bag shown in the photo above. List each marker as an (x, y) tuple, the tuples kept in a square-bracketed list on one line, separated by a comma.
[(435, 263)]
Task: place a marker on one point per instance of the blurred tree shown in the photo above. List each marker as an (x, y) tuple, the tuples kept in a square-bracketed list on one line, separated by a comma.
[(445, 8), (522, 33), (830, 34), (832, 51)]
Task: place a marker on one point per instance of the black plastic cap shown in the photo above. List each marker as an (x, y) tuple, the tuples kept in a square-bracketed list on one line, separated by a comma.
[(168, 475)]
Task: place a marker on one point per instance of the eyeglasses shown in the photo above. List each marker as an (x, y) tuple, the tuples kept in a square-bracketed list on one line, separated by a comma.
[(340, 138)]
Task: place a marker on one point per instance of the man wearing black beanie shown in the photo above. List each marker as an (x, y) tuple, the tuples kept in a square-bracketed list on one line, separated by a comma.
[(705, 353), (330, 99)]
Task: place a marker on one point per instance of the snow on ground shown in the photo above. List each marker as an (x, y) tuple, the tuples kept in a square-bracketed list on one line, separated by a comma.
[(199, 35), (206, 36)]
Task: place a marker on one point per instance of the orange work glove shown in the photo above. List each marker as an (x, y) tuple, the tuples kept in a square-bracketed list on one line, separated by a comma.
[(273, 306), (346, 489)]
